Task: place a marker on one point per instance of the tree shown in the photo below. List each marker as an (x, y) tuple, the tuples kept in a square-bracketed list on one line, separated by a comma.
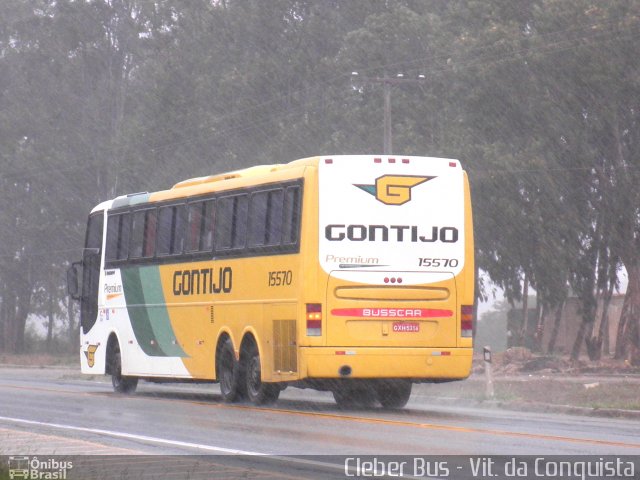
[(104, 97), (66, 66)]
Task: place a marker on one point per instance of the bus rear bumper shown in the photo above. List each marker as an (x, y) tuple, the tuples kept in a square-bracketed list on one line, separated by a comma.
[(374, 362)]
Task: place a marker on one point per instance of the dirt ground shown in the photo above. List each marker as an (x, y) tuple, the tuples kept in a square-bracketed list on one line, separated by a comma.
[(519, 361), (535, 392), (522, 378)]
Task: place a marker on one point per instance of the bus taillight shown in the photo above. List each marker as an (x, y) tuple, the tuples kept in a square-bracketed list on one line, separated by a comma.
[(466, 321), (314, 319)]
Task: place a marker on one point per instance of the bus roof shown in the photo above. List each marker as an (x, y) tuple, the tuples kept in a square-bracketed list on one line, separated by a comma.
[(201, 184), (260, 170), (254, 171)]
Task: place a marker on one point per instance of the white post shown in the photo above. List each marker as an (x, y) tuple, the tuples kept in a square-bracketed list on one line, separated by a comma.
[(488, 375)]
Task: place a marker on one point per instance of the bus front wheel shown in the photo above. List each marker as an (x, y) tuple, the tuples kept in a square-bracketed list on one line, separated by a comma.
[(120, 383), (258, 391), (228, 373)]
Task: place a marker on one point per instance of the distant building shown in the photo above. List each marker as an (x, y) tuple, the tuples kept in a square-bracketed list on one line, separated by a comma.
[(539, 332)]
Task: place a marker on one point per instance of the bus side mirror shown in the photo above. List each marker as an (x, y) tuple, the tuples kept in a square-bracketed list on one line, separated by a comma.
[(73, 286)]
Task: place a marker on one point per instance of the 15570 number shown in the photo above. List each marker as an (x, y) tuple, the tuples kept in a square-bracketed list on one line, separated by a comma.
[(438, 262), (279, 278)]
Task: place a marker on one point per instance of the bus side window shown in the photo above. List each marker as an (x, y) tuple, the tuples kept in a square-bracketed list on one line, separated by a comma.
[(118, 230), (149, 243), (206, 234), (231, 222), (123, 237), (113, 230), (291, 221), (165, 224), (274, 218), (137, 234), (196, 219), (240, 213), (258, 219), (265, 218), (172, 222), (179, 230)]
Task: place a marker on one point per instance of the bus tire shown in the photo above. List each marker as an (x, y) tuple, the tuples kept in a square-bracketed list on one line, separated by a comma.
[(228, 373), (360, 395), (121, 384), (393, 393), (258, 392)]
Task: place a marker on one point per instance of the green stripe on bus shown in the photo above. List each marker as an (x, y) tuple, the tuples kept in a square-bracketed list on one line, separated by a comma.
[(157, 311), (148, 312), (138, 313)]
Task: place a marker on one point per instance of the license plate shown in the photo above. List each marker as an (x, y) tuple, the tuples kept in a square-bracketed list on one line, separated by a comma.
[(406, 327)]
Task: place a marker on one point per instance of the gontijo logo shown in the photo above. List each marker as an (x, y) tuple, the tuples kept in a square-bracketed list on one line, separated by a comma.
[(90, 353), (394, 189)]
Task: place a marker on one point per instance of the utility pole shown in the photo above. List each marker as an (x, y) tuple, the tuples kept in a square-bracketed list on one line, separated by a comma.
[(387, 82), (388, 137)]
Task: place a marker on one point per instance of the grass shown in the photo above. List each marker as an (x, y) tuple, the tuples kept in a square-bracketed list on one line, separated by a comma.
[(39, 360)]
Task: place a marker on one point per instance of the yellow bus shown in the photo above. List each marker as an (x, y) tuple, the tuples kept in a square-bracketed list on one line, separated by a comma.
[(352, 274)]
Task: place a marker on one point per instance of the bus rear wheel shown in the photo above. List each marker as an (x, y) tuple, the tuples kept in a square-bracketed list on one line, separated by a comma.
[(258, 391), (393, 393), (121, 384), (357, 395), (228, 373)]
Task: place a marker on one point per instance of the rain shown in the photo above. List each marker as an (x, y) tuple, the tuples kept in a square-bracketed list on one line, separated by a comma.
[(539, 100)]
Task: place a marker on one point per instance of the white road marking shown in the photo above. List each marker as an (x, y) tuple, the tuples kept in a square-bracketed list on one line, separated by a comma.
[(133, 436), (177, 443)]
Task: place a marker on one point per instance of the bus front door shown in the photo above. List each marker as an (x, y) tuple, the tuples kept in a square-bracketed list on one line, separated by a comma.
[(91, 271)]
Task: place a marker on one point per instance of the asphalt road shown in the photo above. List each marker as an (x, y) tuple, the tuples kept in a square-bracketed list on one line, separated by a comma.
[(304, 435)]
